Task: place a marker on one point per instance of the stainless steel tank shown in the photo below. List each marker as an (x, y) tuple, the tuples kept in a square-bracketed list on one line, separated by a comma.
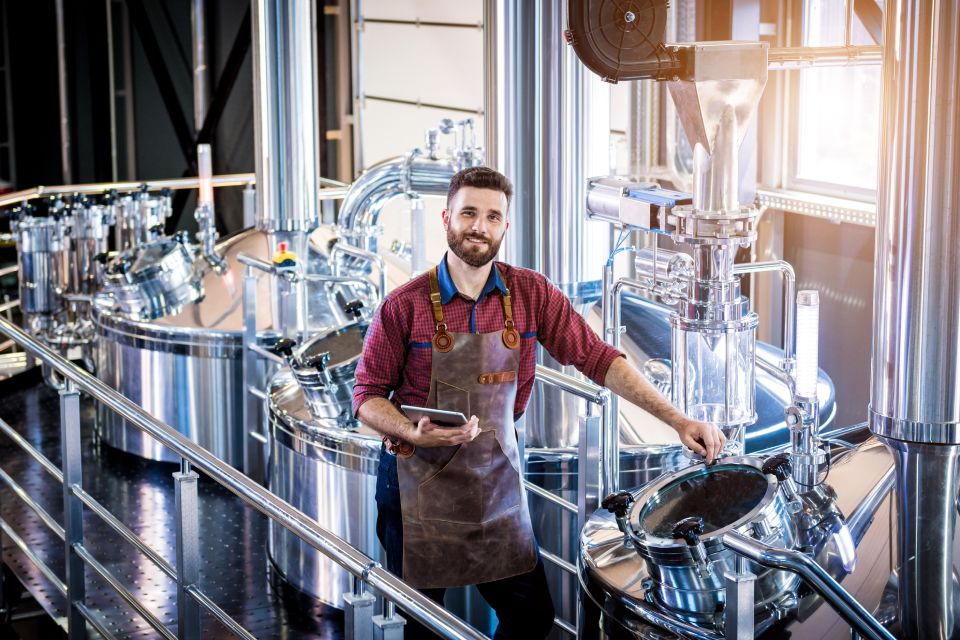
[(329, 473), (41, 260), (185, 368)]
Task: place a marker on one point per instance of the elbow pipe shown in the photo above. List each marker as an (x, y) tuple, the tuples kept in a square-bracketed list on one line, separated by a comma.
[(815, 576), (790, 300), (414, 172)]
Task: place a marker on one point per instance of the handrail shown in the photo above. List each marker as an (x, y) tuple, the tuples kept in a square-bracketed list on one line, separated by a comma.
[(580, 388), (815, 576), (335, 190), (353, 560)]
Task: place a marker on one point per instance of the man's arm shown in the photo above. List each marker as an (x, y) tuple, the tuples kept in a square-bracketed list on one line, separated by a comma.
[(381, 415), (568, 338), (628, 383)]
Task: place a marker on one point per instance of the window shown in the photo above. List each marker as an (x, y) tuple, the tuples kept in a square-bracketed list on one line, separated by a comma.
[(837, 122)]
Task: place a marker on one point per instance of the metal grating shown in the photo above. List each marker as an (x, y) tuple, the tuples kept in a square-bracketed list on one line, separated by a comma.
[(236, 573)]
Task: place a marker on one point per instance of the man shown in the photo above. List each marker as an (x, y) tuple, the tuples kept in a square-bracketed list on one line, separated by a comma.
[(463, 337)]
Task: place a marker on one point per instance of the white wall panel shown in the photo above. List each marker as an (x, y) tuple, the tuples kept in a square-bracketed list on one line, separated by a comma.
[(438, 65), (461, 11)]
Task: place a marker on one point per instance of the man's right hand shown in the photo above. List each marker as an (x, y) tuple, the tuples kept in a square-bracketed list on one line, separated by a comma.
[(429, 434)]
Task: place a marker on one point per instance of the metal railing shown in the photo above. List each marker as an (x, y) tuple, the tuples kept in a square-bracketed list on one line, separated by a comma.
[(592, 465), (329, 189), (290, 287), (191, 600)]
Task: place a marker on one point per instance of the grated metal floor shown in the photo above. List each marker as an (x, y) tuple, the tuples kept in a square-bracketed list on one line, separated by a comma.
[(236, 573)]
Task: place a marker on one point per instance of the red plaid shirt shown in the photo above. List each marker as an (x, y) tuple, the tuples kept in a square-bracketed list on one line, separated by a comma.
[(397, 352)]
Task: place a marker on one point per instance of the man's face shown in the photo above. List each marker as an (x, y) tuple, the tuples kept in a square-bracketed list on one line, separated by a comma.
[(476, 220)]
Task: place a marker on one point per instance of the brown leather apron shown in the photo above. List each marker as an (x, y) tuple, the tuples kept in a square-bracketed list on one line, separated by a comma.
[(465, 516)]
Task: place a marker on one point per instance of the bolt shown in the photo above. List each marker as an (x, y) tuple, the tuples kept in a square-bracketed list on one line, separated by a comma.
[(629, 16)]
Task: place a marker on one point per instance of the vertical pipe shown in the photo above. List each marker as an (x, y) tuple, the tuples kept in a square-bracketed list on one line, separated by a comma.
[(356, 66), (112, 82), (915, 394), (201, 83), (64, 103), (285, 90)]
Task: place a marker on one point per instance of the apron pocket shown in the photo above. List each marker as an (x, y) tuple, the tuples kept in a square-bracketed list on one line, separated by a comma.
[(452, 398), (453, 494), (501, 488)]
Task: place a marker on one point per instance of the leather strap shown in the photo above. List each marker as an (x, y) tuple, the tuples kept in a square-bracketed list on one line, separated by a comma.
[(497, 377), (435, 297)]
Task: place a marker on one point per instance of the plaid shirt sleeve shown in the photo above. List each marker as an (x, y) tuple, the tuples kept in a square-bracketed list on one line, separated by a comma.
[(380, 370), (569, 339)]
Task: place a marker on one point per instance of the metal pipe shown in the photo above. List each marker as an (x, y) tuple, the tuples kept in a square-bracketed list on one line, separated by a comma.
[(413, 172), (550, 497), (363, 254), (581, 388), (815, 576), (285, 115), (24, 548), (112, 88), (789, 299), (63, 98), (124, 593), (90, 617), (252, 493), (42, 513), (915, 394), (34, 453), (558, 561), (863, 514), (222, 616), (201, 85), (784, 58), (125, 532), (174, 184)]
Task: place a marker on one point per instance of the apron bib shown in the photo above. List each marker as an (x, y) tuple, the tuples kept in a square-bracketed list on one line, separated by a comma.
[(465, 516)]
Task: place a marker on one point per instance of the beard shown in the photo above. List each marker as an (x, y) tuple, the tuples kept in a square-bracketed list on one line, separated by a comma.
[(475, 255)]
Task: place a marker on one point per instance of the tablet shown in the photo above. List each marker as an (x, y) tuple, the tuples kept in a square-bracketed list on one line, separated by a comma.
[(437, 416)]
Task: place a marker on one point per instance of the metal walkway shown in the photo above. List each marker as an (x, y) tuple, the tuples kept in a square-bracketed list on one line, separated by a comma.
[(235, 573)]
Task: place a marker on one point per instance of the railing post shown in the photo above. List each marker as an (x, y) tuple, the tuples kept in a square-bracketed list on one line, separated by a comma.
[(253, 449), (188, 550), (589, 466), (388, 626), (70, 452), (358, 612)]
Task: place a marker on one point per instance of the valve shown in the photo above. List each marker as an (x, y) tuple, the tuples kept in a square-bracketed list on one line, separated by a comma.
[(619, 505), (778, 466), (689, 530), (284, 347)]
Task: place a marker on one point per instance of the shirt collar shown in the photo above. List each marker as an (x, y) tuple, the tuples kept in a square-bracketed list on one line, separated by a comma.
[(448, 289)]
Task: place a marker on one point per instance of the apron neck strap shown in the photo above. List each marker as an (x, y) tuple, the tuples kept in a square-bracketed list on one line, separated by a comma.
[(443, 340)]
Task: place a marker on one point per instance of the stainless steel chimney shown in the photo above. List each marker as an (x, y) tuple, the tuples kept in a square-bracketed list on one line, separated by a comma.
[(915, 398)]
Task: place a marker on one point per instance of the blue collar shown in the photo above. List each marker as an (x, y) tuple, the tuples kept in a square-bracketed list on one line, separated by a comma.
[(448, 289)]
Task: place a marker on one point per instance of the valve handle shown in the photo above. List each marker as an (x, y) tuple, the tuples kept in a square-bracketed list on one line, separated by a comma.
[(354, 308), (779, 466), (317, 361), (283, 347), (618, 503), (689, 530)]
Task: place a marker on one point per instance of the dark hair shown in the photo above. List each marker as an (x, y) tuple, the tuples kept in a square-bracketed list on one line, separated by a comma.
[(481, 178)]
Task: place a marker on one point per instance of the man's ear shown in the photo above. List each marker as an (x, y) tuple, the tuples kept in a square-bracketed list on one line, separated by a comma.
[(445, 216)]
